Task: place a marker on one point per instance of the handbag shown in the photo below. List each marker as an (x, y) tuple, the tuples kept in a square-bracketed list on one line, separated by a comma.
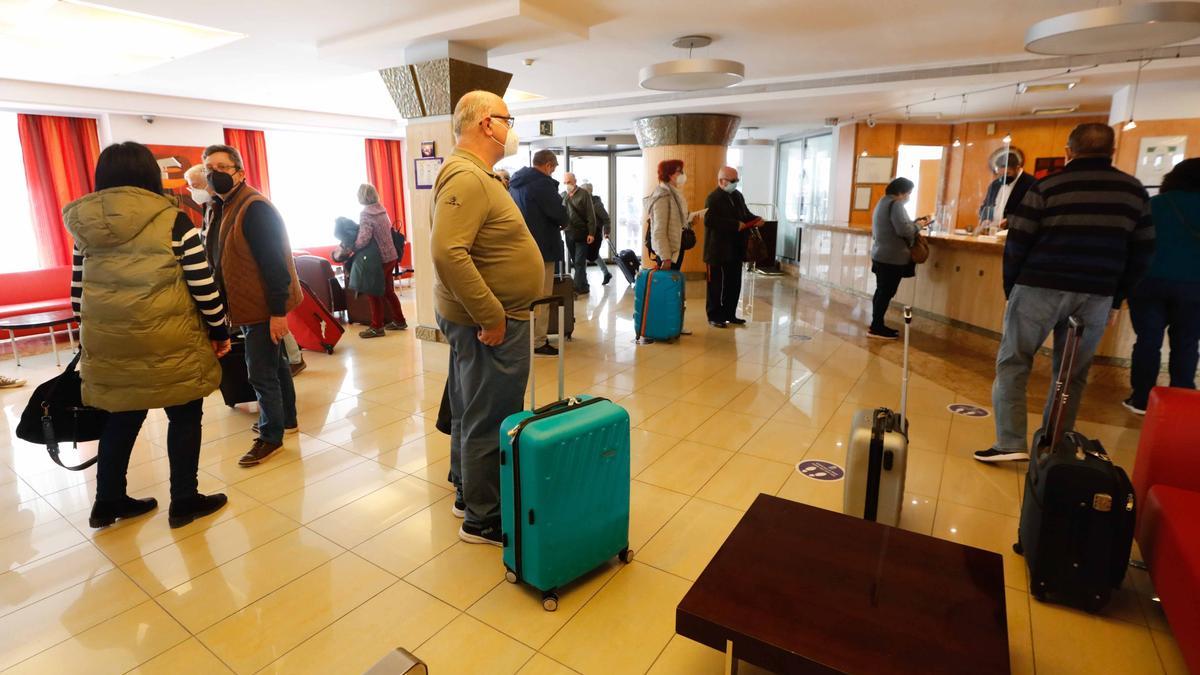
[(56, 413), (687, 239), (756, 248), (919, 249)]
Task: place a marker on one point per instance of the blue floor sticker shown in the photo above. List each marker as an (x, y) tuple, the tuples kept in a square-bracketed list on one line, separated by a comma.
[(818, 469)]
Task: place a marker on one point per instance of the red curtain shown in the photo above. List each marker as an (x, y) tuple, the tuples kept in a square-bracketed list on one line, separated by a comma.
[(60, 164), (385, 170), (253, 146)]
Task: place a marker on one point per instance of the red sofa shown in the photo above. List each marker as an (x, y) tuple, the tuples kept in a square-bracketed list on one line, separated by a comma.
[(1166, 478), (36, 291)]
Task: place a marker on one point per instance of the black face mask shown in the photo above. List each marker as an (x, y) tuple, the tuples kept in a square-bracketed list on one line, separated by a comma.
[(220, 181), (1008, 180)]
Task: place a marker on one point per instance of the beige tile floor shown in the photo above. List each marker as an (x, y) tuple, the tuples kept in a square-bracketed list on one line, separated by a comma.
[(343, 547)]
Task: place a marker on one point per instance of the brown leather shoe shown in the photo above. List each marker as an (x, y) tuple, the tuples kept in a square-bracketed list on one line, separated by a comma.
[(259, 453)]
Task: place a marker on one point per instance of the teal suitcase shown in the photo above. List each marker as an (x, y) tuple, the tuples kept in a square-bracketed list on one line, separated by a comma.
[(564, 488), (658, 297)]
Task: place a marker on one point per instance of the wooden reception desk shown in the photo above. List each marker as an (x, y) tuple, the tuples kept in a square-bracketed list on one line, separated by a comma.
[(962, 282)]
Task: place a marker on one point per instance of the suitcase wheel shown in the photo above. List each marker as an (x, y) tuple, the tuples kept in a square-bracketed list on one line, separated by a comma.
[(510, 576), (549, 601), (626, 555), (328, 349)]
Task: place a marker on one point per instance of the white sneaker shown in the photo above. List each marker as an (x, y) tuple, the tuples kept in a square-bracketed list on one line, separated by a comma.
[(10, 382)]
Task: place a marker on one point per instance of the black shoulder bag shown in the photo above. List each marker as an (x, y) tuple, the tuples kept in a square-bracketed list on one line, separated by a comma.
[(56, 413)]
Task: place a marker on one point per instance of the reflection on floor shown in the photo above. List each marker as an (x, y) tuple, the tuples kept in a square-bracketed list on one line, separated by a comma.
[(343, 547)]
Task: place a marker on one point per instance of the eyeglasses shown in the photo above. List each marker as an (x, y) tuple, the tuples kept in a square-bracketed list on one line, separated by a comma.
[(508, 119), (223, 168)]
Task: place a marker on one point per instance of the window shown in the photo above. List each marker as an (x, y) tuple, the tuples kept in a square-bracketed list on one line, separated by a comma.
[(315, 179), (19, 253), (922, 164), (805, 174)]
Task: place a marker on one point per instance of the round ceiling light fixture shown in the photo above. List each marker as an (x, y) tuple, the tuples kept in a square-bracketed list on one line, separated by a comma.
[(692, 74), (1115, 28)]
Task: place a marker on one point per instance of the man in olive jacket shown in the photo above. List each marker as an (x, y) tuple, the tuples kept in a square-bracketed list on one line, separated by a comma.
[(726, 222)]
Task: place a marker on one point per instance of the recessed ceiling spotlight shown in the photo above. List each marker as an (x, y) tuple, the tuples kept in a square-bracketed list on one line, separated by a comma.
[(1115, 28), (692, 74), (528, 62)]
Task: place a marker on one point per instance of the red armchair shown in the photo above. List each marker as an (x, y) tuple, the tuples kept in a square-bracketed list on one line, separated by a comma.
[(1166, 478)]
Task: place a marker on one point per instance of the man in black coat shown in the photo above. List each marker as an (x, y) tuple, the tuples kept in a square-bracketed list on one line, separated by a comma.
[(1006, 192), (726, 222), (536, 194)]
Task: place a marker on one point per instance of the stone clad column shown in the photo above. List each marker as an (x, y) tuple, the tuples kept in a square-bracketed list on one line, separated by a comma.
[(700, 141), (425, 93)]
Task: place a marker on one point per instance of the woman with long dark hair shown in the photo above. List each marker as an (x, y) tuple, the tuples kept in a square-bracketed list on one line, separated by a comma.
[(1168, 298), (152, 326)]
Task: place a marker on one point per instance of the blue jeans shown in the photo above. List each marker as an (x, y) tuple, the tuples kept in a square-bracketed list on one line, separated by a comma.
[(485, 384), (1031, 315), (1158, 305), (270, 374)]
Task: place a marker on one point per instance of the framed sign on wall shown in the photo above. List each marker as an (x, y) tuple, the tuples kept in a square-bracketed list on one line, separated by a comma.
[(427, 169), (874, 170)]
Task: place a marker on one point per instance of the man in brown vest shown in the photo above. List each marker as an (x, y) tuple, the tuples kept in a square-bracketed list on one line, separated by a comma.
[(253, 262)]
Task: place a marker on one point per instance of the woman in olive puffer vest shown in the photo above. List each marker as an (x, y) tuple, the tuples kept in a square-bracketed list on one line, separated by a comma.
[(152, 326)]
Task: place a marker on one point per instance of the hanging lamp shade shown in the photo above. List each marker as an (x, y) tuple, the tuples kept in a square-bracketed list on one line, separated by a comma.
[(692, 74), (1115, 28)]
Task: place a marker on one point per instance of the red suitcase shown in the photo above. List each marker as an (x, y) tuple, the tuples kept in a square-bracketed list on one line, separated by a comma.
[(312, 324)]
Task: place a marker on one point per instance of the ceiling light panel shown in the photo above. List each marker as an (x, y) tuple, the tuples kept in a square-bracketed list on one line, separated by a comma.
[(43, 37)]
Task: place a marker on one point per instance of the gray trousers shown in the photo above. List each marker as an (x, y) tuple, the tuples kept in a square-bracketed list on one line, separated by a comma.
[(486, 384), (1031, 315)]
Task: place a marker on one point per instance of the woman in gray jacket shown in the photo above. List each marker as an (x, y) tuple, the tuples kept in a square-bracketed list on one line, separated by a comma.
[(667, 210), (892, 235)]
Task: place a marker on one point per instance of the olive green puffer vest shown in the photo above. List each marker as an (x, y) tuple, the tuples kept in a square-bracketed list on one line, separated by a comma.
[(144, 342)]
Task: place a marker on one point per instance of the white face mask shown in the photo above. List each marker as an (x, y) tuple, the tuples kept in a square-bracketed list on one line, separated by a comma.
[(681, 180), (511, 143), (201, 197)]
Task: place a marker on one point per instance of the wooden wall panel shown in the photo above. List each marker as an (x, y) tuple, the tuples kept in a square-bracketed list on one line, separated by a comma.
[(701, 164), (1128, 142), (844, 176), (880, 141), (418, 204)]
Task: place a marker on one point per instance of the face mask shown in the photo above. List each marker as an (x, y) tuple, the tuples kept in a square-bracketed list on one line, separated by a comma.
[(681, 180), (730, 186), (511, 143), (220, 181), (201, 197)]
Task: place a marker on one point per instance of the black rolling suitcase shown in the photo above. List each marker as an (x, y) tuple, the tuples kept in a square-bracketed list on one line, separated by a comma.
[(1077, 517), (629, 263), (564, 287), (235, 383)]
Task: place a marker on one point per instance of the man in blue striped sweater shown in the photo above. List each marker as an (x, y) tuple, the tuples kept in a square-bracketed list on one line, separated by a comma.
[(1077, 244)]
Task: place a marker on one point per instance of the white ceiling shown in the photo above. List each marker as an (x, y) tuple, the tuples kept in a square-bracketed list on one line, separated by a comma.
[(322, 56)]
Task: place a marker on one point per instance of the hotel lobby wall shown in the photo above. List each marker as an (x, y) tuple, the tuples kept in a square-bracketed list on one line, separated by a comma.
[(962, 281), (1129, 142), (418, 204)]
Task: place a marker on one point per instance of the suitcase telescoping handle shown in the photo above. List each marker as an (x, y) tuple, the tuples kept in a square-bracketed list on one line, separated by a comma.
[(1062, 385), (552, 300), (904, 371)]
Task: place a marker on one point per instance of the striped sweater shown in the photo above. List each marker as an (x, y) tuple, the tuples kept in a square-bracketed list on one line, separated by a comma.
[(189, 250), (1085, 229)]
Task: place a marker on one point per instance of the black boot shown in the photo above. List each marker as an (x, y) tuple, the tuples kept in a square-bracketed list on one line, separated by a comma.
[(106, 512), (184, 511)]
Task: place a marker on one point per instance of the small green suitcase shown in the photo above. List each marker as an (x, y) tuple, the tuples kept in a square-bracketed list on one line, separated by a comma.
[(564, 488)]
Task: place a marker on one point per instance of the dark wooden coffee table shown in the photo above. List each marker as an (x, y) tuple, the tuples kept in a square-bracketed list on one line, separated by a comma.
[(797, 589), (60, 317)]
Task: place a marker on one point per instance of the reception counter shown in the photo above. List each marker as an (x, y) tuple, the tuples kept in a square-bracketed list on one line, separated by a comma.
[(962, 283)]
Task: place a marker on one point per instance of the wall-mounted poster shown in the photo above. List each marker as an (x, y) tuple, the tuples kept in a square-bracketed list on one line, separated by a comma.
[(874, 170), (427, 169), (1157, 155), (174, 160), (1044, 166), (428, 148), (862, 198)]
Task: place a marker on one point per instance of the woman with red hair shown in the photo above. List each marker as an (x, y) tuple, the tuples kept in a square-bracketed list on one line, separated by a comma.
[(667, 210)]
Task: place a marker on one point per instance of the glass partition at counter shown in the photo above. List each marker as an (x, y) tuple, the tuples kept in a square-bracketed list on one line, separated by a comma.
[(804, 178)]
